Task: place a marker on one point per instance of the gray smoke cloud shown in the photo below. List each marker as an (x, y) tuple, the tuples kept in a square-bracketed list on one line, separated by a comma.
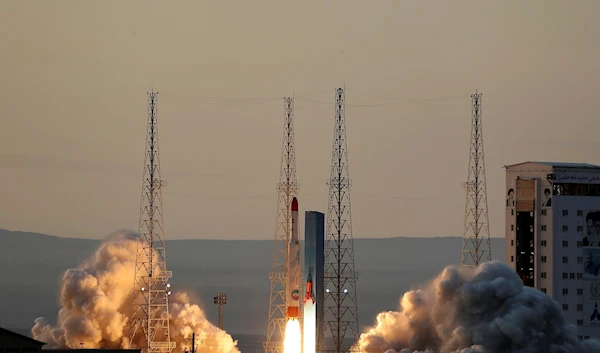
[(96, 302), (482, 310)]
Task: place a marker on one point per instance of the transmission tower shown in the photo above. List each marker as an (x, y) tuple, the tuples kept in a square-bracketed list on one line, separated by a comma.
[(149, 325), (287, 189), (341, 306), (476, 235)]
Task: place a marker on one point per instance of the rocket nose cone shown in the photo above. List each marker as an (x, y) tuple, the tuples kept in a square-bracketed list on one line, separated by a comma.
[(294, 204)]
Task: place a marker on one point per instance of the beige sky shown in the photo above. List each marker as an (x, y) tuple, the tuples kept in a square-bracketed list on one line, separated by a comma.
[(73, 98)]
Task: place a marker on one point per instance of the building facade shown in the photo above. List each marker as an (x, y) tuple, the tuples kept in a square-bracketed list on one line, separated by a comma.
[(553, 235)]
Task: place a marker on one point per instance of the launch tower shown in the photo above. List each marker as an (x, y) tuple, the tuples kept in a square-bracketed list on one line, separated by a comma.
[(149, 322), (287, 190), (476, 235), (341, 306)]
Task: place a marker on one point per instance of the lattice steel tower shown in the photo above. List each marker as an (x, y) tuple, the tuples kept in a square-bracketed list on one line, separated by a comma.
[(287, 189), (476, 235), (149, 325), (341, 306)]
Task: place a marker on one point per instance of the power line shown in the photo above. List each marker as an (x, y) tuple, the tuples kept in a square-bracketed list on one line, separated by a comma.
[(269, 101), (411, 100), (407, 198), (238, 99), (270, 195), (220, 101), (401, 102), (221, 196)]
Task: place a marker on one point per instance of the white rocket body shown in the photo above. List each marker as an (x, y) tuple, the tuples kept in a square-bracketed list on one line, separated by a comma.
[(293, 275)]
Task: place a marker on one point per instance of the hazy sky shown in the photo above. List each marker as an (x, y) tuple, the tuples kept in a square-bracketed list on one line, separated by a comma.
[(73, 107)]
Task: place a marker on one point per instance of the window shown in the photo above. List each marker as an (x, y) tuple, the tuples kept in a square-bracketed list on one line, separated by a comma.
[(565, 291), (579, 307), (572, 275), (544, 227), (579, 260), (512, 242), (579, 275), (565, 243), (569, 189), (565, 260), (512, 212), (512, 227), (580, 212), (543, 258), (512, 259), (543, 290), (565, 275), (579, 291), (565, 228), (566, 307), (543, 274), (544, 212), (580, 228), (544, 243), (579, 244), (579, 322), (565, 212)]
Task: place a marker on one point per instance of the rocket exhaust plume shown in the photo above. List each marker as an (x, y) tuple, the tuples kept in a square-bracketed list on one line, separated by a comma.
[(309, 330), (96, 303), (475, 310), (293, 336), (291, 343)]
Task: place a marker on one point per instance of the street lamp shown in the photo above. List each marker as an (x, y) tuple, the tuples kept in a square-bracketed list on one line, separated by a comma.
[(220, 299)]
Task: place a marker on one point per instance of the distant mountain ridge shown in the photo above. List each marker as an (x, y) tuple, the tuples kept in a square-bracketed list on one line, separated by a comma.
[(32, 265)]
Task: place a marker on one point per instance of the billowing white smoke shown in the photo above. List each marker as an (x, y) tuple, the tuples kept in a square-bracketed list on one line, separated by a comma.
[(482, 310), (96, 303), (188, 318)]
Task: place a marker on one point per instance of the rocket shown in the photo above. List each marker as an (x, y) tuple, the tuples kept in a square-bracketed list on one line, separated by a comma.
[(293, 268), (309, 295)]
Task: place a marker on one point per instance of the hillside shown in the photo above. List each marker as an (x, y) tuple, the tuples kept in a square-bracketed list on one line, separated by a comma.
[(32, 265)]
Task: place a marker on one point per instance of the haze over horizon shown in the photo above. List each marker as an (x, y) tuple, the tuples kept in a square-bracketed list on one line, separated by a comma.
[(74, 108), (202, 267), (231, 239)]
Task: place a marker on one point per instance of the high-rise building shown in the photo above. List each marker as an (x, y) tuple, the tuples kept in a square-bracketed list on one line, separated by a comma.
[(553, 235)]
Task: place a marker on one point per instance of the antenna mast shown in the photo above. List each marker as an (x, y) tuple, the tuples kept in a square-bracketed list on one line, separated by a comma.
[(341, 305), (476, 235), (149, 325), (287, 189)]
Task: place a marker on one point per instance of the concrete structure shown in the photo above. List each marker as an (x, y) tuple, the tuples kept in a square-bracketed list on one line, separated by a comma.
[(553, 235), (92, 350), (12, 342), (314, 266)]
